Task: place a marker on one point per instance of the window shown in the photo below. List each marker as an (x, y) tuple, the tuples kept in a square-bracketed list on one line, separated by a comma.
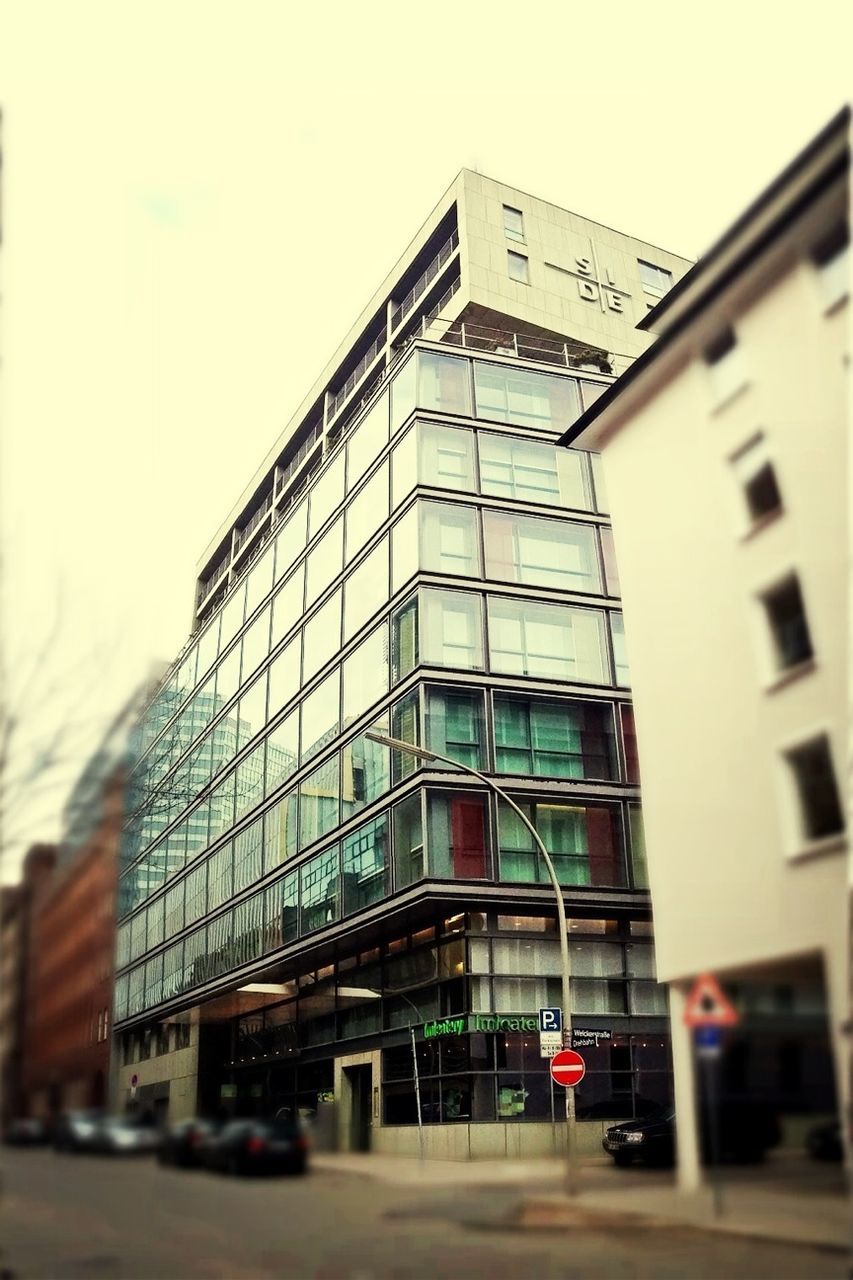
[(525, 398), (756, 475), (584, 842), (365, 772), (444, 383), (408, 841), (367, 441), (532, 472), (449, 539), (318, 802), (284, 675), (538, 552), (366, 674), (287, 605), (322, 636), (655, 279), (404, 467), (454, 725), (367, 511), (789, 629), (365, 865), (282, 751), (291, 538), (451, 629), (456, 837), (404, 639), (724, 359), (320, 715), (366, 589), (629, 744), (832, 260), (324, 563), (446, 457), (817, 790), (517, 267), (319, 890), (638, 847), (513, 223), (280, 842), (555, 739), (326, 494), (547, 640)]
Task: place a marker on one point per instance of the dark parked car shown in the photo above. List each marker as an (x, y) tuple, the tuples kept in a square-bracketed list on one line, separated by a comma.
[(76, 1130), (27, 1131), (823, 1142), (125, 1136), (257, 1146), (745, 1129), (183, 1143)]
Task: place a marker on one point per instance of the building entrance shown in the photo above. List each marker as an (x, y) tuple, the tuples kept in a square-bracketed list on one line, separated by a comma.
[(360, 1082)]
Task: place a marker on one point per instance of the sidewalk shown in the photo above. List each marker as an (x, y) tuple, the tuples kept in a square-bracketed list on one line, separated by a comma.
[(781, 1200)]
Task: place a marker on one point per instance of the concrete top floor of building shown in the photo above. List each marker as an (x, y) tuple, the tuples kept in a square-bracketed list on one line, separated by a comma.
[(491, 268)]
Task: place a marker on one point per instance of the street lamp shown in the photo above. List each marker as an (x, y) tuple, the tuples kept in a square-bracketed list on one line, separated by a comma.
[(422, 753)]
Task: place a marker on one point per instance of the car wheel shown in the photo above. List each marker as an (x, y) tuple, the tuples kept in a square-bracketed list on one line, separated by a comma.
[(622, 1159)]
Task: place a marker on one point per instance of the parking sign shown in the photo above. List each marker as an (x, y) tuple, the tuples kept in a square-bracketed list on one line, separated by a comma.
[(551, 1019), (550, 1031)]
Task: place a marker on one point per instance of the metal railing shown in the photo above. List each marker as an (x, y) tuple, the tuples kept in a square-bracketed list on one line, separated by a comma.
[(423, 281), (523, 346), (298, 458), (240, 538), (336, 400)]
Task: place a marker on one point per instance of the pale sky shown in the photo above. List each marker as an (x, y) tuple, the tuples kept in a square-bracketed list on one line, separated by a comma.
[(199, 199)]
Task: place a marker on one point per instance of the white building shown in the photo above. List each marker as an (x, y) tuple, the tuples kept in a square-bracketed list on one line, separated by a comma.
[(726, 457)]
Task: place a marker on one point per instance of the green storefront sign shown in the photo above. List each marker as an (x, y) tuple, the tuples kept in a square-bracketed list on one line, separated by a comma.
[(464, 1024)]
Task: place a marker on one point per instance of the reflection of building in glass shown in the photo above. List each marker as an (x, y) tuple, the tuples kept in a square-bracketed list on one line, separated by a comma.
[(420, 557)]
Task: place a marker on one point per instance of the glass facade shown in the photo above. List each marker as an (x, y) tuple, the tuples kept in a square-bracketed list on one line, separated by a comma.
[(447, 577)]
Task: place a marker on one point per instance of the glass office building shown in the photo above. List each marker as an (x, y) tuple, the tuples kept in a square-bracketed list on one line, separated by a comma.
[(442, 572)]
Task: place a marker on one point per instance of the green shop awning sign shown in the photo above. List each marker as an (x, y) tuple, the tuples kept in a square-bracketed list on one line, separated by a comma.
[(468, 1022)]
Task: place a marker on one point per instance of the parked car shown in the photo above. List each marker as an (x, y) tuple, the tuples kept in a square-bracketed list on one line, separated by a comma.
[(745, 1130), (257, 1146), (183, 1143), (823, 1142), (125, 1136), (26, 1131), (75, 1130)]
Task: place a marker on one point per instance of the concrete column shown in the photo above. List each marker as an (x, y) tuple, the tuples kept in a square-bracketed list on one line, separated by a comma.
[(690, 1176)]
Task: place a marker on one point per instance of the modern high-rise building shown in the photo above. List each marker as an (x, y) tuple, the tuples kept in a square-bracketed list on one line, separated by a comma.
[(415, 556), (736, 584)]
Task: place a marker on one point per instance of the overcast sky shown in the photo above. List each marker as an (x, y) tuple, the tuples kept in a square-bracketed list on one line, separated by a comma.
[(199, 198)]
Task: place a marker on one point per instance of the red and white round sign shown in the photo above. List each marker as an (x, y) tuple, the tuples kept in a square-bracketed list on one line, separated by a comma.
[(568, 1068)]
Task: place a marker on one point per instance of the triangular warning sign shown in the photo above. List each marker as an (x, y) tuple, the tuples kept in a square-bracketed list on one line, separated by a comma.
[(707, 1006)]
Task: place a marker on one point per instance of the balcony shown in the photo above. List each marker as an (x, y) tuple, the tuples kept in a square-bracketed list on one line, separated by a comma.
[(423, 282)]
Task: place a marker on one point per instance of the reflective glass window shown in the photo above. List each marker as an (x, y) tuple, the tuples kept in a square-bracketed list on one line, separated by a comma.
[(444, 383), (321, 636), (366, 674), (256, 643), (408, 841), (280, 831), (196, 894), (365, 772), (524, 397), (367, 441), (228, 676), (319, 890), (233, 614), (456, 836), (548, 640), (252, 710), (365, 864), (366, 589), (208, 646), (324, 562), (451, 629), (446, 457), (555, 739), (327, 493), (249, 855), (449, 539), (249, 787), (284, 675), (220, 876), (287, 606), (620, 652), (282, 751), (637, 834), (404, 639), (403, 388), (222, 807), (404, 467), (608, 552), (533, 471), (602, 503), (585, 844), (282, 911), (319, 796), (454, 725), (404, 549), (544, 553), (259, 580), (366, 512), (291, 537), (321, 715)]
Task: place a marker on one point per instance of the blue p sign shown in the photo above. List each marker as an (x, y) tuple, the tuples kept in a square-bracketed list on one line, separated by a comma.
[(551, 1019)]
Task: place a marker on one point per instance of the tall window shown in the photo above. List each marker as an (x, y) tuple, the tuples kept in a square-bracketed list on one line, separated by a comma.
[(446, 457), (319, 891), (584, 842), (532, 472), (817, 790), (513, 223), (656, 280), (724, 358), (517, 267), (454, 725), (555, 739), (365, 865), (451, 629), (789, 628), (450, 541), (456, 836), (756, 475), (524, 397)]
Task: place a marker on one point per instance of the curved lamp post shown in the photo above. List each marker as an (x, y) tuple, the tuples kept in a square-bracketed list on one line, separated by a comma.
[(423, 753)]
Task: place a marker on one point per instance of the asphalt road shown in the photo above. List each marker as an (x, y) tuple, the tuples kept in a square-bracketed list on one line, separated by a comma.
[(96, 1218)]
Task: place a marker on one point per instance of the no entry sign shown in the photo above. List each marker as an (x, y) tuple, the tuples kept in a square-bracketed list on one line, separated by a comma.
[(568, 1068)]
